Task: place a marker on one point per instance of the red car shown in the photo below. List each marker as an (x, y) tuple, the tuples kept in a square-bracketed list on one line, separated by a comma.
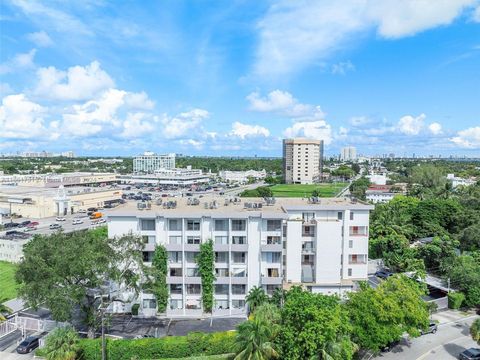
[(33, 224)]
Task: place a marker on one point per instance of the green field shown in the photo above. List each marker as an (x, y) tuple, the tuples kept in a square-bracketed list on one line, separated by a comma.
[(299, 190), (8, 288)]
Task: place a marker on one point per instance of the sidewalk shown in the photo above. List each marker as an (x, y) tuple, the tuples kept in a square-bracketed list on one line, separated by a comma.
[(448, 316)]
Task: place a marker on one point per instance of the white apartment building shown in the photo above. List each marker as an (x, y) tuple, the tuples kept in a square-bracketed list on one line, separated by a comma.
[(150, 162), (348, 153), (458, 181), (322, 245), (302, 160), (241, 176)]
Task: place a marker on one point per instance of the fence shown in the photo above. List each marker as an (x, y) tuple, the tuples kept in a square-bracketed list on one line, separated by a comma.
[(24, 323)]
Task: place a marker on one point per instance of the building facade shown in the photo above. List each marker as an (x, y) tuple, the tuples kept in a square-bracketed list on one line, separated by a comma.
[(348, 153), (302, 161), (149, 162), (321, 245), (242, 176)]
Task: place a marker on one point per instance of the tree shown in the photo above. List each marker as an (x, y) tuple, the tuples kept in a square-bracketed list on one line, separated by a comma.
[(4, 309), (312, 325), (157, 275), (206, 267), (278, 297), (464, 275), (380, 316), (359, 187), (470, 238), (475, 331), (438, 253), (254, 340), (70, 271), (61, 344), (264, 191), (256, 297)]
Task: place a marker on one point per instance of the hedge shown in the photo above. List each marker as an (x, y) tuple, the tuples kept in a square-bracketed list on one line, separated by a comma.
[(194, 344), (455, 300)]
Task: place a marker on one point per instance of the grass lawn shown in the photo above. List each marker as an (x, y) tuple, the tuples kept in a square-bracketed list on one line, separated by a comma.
[(8, 286), (299, 190)]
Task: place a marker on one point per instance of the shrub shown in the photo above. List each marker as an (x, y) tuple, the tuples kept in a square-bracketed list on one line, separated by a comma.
[(135, 308), (455, 300), (194, 344)]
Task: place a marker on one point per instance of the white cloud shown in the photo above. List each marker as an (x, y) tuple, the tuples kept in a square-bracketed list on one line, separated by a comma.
[(318, 130), (40, 38), (197, 144), (137, 125), (359, 121), (476, 14), (277, 101), (468, 138), (410, 125), (244, 130), (186, 123), (295, 34), (18, 62), (435, 128), (139, 101), (21, 118), (342, 68), (77, 83)]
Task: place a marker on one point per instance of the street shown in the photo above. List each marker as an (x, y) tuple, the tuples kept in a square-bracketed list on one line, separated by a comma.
[(449, 341)]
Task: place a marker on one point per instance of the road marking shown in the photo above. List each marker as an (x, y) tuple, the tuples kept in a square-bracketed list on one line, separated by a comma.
[(465, 337)]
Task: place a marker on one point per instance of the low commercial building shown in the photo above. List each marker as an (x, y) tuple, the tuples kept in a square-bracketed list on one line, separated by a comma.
[(173, 177), (320, 244), (382, 193), (55, 180), (242, 176)]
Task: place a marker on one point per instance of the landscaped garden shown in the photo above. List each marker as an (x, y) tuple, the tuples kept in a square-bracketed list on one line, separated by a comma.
[(306, 190), (8, 287)]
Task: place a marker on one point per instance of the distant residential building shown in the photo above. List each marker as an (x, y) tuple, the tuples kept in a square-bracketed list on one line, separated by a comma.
[(242, 176), (175, 177), (302, 160), (11, 248), (348, 153), (150, 162), (379, 194), (68, 154), (378, 178), (458, 181)]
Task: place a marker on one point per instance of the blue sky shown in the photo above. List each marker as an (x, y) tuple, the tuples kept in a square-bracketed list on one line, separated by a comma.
[(235, 77)]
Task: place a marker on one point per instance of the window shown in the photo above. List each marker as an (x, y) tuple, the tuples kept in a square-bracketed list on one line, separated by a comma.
[(357, 259), (358, 230), (308, 230), (239, 272), (307, 216), (272, 272), (271, 289), (149, 304), (190, 256), (193, 225), (175, 288), (350, 272), (192, 240), (221, 272), (221, 240), (340, 215), (308, 246), (193, 289), (239, 240), (176, 272), (221, 225), (274, 225), (221, 305), (351, 215), (176, 304), (147, 256), (175, 224), (193, 304), (274, 240), (147, 224), (175, 256), (239, 225), (221, 257), (271, 257), (175, 240), (238, 289), (350, 244), (193, 272), (238, 257), (238, 304), (221, 289)]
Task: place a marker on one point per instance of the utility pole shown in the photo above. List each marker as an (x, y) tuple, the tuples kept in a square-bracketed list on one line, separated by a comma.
[(448, 281), (104, 357)]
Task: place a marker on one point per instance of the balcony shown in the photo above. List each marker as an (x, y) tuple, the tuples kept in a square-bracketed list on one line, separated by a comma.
[(240, 247), (173, 247), (174, 279), (308, 248), (220, 247), (149, 246), (271, 247), (191, 247), (266, 280), (222, 280), (358, 231), (193, 280)]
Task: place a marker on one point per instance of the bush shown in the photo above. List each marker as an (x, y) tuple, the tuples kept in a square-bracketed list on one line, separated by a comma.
[(455, 300), (135, 308), (194, 344)]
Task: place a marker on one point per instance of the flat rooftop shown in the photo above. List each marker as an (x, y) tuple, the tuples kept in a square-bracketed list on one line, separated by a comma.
[(28, 191), (222, 205)]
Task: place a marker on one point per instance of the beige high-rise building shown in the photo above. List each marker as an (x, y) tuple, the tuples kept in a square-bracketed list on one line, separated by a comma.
[(302, 161)]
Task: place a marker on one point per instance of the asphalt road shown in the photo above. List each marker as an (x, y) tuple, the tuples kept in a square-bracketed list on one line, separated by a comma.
[(449, 341)]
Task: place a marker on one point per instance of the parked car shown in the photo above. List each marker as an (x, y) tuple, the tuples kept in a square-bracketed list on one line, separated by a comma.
[(28, 345), (77, 221), (60, 218), (432, 329), (389, 347), (10, 225), (82, 211), (34, 223), (25, 223), (470, 354), (383, 274), (29, 228), (55, 226), (101, 221)]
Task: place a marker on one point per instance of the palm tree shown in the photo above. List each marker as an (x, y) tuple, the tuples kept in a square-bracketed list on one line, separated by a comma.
[(254, 341), (256, 297), (62, 344), (475, 331)]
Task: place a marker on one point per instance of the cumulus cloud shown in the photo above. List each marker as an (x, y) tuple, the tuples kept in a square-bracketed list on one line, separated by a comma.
[(342, 68), (435, 128), (186, 123), (410, 125), (468, 138), (318, 130), (77, 83), (244, 130), (40, 39), (18, 62), (137, 125), (139, 101), (280, 102), (294, 34), (476, 14)]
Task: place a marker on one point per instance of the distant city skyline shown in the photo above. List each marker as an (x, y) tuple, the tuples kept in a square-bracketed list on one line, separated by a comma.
[(234, 79)]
